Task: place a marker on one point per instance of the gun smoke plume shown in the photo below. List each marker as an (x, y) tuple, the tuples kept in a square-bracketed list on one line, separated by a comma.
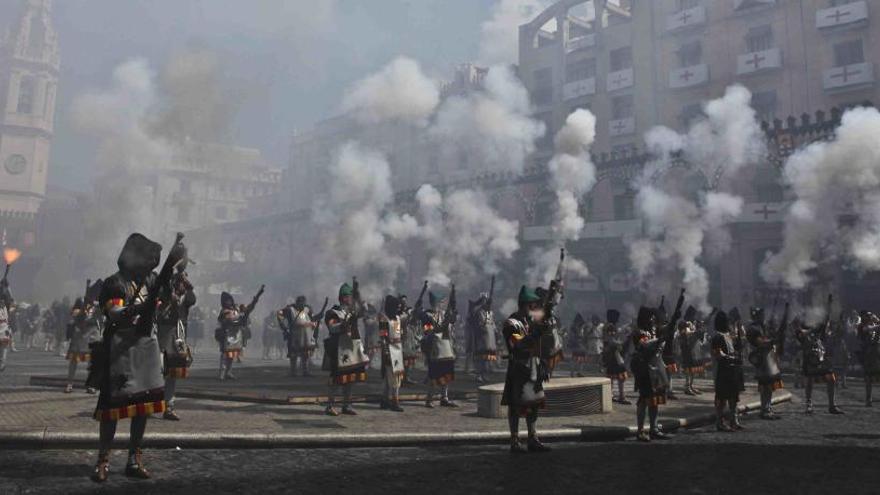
[(680, 215), (141, 121), (356, 224), (828, 178), (499, 35), (491, 129), (400, 91), (572, 174), (464, 236)]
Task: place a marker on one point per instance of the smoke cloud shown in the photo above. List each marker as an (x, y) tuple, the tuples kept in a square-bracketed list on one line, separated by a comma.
[(828, 178), (500, 34), (492, 129), (400, 91), (464, 236), (572, 174), (679, 215)]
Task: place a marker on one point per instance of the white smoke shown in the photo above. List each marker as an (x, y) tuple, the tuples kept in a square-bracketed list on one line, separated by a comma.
[(492, 129), (465, 238), (356, 224), (118, 118), (400, 91), (829, 178), (572, 174), (500, 34), (679, 222)]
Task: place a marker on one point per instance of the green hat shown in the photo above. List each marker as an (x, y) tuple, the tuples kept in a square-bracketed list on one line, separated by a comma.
[(527, 295), (346, 290)]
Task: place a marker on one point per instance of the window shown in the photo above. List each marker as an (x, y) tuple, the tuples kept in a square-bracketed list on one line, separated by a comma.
[(621, 107), (764, 103), (578, 106), (690, 54), (687, 4), (621, 59), (848, 53), (543, 92), (759, 38), (689, 113), (580, 70), (837, 3), (220, 213), (625, 205), (26, 89), (36, 36), (185, 186)]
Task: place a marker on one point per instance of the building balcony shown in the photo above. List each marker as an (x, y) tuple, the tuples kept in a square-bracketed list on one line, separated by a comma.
[(751, 63), (622, 127), (847, 15), (743, 5), (581, 43), (688, 18), (621, 79), (577, 89), (687, 77), (848, 77)]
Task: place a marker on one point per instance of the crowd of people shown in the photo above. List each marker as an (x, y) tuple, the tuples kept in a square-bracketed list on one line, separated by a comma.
[(137, 329)]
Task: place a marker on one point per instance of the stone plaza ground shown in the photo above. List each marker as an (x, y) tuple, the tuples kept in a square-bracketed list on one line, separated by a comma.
[(799, 454)]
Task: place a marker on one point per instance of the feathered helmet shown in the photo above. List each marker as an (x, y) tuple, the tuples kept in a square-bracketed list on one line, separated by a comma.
[(646, 318), (300, 301), (391, 306), (734, 316), (690, 314), (527, 296), (722, 322), (612, 316), (757, 314), (226, 300), (139, 256), (345, 290)]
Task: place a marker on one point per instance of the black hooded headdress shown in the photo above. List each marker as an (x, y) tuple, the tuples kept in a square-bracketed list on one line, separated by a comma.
[(139, 256)]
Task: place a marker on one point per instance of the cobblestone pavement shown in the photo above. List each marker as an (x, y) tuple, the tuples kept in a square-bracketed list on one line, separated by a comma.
[(28, 407), (799, 454), (819, 454)]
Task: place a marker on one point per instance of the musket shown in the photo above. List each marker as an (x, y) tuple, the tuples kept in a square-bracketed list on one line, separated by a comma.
[(145, 321), (250, 307), (317, 319), (491, 293), (450, 314), (421, 300)]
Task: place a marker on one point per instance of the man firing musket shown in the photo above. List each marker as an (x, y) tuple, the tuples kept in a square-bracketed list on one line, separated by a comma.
[(437, 344), (344, 355), (482, 332), (6, 306), (551, 340), (231, 334)]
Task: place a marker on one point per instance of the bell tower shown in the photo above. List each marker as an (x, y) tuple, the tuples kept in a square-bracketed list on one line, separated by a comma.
[(29, 66)]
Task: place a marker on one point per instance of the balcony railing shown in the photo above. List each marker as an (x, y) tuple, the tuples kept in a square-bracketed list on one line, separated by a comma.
[(686, 77), (848, 77), (619, 80), (842, 15), (751, 63), (581, 43), (577, 89), (687, 18), (622, 127)]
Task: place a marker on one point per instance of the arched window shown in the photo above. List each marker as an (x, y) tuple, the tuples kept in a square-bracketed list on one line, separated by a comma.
[(36, 36), (26, 90)]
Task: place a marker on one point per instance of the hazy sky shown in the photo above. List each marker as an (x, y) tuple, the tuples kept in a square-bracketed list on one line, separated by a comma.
[(292, 58)]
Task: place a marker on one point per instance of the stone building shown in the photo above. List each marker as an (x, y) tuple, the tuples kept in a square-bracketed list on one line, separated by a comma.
[(29, 64), (635, 64)]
